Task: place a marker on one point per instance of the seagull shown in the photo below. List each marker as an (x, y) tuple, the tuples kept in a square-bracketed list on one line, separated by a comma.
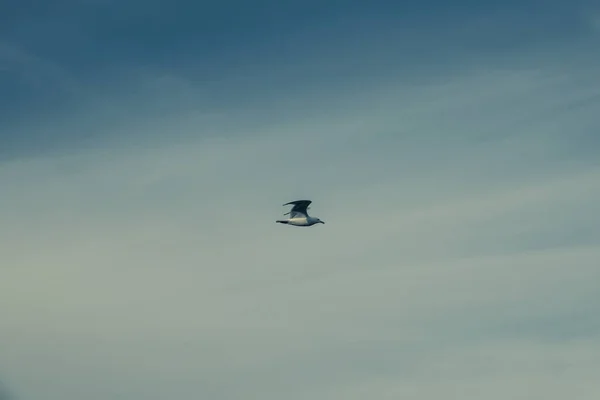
[(299, 215)]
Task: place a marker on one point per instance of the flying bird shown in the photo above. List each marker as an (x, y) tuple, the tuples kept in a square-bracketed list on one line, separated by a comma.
[(299, 214)]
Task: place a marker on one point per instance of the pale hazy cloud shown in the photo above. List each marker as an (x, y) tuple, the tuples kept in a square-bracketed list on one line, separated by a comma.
[(459, 257)]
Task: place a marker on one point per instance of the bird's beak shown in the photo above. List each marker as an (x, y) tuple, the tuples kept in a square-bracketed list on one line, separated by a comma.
[(322, 222)]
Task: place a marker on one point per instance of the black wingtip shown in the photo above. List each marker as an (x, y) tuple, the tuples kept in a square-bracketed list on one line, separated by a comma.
[(298, 201)]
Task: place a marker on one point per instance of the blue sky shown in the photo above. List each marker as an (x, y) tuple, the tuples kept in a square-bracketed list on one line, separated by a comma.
[(452, 148), (58, 57)]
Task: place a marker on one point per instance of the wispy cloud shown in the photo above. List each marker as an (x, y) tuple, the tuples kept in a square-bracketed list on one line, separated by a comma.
[(33, 70), (594, 21), (459, 257)]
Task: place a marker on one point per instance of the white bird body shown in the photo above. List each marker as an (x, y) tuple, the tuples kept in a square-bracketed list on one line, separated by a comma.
[(299, 215), (303, 221)]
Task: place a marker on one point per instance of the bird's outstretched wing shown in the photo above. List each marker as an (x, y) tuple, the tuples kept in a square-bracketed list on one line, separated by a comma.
[(299, 207)]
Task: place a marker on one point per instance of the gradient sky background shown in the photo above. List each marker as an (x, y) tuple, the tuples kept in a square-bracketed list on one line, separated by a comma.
[(452, 148)]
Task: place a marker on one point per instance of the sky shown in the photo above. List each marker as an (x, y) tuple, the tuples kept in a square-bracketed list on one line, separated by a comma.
[(147, 148)]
